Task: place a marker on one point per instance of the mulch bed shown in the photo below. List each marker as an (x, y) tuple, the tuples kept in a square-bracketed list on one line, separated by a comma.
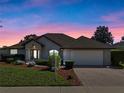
[(42, 68), (25, 66), (70, 75)]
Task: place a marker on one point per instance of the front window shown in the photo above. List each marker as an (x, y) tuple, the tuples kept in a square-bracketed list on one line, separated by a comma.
[(13, 51)]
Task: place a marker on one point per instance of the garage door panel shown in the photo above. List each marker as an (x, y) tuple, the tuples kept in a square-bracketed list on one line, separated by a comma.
[(87, 57)]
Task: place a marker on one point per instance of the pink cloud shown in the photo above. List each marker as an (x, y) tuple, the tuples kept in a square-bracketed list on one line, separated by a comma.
[(116, 24), (74, 31), (117, 32), (78, 34), (114, 17), (11, 37)]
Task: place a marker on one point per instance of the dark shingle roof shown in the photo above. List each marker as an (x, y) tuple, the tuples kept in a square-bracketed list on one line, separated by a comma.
[(65, 41), (60, 39), (16, 46), (22, 44), (82, 42)]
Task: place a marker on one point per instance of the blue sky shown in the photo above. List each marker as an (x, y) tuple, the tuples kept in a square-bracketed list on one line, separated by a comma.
[(72, 17)]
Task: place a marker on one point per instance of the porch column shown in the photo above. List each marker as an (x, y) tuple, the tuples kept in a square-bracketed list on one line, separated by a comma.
[(27, 57)]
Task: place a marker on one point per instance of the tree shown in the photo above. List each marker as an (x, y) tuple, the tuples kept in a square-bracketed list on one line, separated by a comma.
[(31, 36), (103, 35), (122, 38), (28, 37)]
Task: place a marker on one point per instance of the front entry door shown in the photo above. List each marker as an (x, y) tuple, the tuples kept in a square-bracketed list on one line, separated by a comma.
[(35, 54)]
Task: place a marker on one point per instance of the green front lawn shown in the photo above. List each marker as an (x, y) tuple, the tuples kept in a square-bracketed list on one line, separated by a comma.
[(23, 76)]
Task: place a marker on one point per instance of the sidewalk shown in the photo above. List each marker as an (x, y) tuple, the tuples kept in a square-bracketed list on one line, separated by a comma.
[(42, 90), (74, 89)]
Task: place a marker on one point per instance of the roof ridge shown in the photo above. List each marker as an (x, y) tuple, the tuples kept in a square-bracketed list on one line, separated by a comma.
[(59, 34), (53, 33), (83, 37)]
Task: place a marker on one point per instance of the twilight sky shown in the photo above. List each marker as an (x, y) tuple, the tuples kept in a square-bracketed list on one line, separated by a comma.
[(72, 17)]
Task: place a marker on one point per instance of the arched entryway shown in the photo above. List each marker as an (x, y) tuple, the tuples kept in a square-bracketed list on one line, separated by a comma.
[(35, 53), (33, 50), (54, 52)]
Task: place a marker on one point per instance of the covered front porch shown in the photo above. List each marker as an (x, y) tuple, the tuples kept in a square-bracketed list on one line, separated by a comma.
[(33, 50), (33, 54)]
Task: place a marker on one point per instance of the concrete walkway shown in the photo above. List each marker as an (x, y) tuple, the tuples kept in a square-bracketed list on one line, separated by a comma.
[(42, 90)]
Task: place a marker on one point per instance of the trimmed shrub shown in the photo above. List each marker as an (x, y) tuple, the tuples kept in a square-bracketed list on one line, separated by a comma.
[(116, 57), (69, 64), (42, 62), (19, 57), (4, 57), (121, 65), (14, 57), (9, 60), (18, 62)]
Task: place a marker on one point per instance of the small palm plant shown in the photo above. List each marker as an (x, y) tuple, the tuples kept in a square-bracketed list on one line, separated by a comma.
[(55, 60)]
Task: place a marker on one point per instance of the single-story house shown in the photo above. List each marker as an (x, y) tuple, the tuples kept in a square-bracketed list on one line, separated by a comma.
[(83, 51)]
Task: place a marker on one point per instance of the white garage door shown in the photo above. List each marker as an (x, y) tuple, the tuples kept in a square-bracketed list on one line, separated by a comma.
[(86, 57)]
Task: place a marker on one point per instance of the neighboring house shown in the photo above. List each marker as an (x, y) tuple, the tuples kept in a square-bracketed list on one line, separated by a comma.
[(83, 51), (119, 46)]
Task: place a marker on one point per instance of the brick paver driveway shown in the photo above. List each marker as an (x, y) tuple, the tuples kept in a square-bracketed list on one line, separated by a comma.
[(101, 77)]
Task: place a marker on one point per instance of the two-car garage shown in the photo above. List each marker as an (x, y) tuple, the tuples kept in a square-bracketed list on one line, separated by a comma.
[(85, 56)]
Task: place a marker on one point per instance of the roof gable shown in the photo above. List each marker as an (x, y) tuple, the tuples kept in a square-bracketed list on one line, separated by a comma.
[(31, 41), (60, 39)]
